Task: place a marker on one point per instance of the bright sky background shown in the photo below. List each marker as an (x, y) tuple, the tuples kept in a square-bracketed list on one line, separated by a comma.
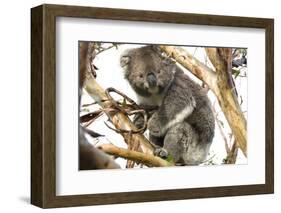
[(110, 74)]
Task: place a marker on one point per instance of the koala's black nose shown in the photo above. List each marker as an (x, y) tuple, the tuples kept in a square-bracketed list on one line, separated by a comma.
[(151, 79)]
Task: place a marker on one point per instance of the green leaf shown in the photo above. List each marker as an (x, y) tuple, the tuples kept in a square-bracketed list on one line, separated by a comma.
[(124, 103), (170, 159), (236, 73)]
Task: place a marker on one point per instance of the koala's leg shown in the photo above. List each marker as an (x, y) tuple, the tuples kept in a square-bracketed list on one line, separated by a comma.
[(157, 143), (181, 141)]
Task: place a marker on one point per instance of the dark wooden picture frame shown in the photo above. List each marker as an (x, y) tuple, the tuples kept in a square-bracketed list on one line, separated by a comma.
[(43, 105)]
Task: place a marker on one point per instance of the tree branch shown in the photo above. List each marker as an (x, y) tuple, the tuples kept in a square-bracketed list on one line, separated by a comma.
[(147, 159), (187, 60), (232, 155), (92, 158), (219, 83), (226, 96)]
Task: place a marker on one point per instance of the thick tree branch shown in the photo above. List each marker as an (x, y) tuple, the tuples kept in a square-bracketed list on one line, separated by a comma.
[(147, 159), (196, 67), (92, 158), (226, 96), (218, 81)]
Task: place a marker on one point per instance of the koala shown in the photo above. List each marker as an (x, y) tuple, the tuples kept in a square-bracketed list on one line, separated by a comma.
[(181, 123)]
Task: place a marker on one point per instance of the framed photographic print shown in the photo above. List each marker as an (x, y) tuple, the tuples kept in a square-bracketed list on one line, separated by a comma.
[(135, 106)]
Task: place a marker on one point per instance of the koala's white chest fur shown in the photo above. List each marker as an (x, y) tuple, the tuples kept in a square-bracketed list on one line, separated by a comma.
[(153, 100)]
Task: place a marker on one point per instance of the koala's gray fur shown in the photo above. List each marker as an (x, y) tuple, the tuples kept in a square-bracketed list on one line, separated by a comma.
[(183, 122)]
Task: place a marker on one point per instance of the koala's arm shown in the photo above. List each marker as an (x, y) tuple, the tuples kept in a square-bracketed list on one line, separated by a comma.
[(177, 105)]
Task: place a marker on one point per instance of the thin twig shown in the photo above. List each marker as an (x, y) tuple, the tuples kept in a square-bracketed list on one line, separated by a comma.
[(132, 110), (205, 161), (93, 103), (232, 155), (90, 116), (104, 49), (227, 149)]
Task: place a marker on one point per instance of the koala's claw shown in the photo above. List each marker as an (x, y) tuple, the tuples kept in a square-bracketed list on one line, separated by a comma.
[(153, 128), (161, 152)]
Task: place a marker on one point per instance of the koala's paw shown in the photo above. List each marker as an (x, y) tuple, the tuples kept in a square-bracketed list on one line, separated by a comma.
[(154, 127), (161, 152)]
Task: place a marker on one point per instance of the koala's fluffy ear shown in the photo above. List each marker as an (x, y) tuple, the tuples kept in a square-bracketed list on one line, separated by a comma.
[(125, 60), (124, 63)]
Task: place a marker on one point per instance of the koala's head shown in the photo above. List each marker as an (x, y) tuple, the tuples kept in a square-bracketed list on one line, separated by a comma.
[(147, 70)]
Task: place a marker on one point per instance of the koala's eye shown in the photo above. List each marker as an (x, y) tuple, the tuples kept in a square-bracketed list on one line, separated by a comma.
[(141, 75), (158, 71)]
